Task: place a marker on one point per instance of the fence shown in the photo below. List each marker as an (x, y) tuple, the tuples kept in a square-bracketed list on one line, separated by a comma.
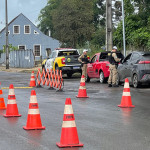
[(51, 78), (19, 59)]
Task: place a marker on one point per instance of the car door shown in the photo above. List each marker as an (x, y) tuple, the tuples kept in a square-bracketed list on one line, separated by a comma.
[(135, 57), (50, 62), (122, 68), (91, 67), (95, 67)]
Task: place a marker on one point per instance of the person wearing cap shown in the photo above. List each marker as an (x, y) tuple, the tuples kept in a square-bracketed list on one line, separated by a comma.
[(84, 60), (113, 60)]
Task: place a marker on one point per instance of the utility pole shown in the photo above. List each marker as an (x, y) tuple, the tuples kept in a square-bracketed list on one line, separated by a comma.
[(124, 42), (108, 25), (7, 47)]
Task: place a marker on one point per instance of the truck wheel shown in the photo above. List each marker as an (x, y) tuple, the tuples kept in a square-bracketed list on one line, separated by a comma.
[(43, 67), (101, 77), (57, 68), (69, 75)]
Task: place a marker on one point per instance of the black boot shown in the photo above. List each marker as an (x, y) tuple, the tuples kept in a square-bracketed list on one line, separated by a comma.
[(114, 85), (109, 85)]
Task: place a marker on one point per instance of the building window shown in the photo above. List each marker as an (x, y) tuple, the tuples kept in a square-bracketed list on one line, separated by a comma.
[(37, 49), (27, 29), (16, 29), (21, 47)]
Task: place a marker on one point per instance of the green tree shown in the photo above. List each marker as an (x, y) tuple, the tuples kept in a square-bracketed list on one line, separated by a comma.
[(45, 16), (136, 25), (99, 8), (73, 23)]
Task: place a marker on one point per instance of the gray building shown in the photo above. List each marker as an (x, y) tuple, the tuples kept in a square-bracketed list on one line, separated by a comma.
[(24, 35)]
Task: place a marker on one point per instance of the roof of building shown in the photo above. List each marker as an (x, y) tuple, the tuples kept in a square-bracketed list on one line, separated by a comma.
[(14, 20)]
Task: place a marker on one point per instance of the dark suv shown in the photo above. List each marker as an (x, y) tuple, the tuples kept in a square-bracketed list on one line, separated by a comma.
[(135, 67)]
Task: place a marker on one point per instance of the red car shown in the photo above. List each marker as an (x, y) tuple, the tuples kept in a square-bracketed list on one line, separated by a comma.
[(99, 66)]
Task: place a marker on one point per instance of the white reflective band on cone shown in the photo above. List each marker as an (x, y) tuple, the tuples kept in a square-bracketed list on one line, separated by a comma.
[(82, 79), (32, 74), (68, 109), (33, 111), (82, 87), (32, 79), (68, 124), (11, 101), (33, 99), (126, 94), (126, 85), (11, 92)]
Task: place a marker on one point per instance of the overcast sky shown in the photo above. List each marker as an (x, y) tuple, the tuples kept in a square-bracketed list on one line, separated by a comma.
[(30, 8)]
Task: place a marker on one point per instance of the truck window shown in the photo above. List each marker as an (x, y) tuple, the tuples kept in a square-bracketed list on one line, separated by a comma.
[(103, 56), (53, 55), (94, 59), (67, 53)]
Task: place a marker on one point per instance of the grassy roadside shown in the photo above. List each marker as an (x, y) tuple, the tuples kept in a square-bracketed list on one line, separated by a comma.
[(23, 70), (29, 70)]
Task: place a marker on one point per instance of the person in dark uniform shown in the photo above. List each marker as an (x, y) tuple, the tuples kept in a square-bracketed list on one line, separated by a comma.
[(114, 60), (84, 60)]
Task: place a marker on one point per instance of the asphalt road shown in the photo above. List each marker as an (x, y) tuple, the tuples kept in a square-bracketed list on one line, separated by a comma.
[(100, 123)]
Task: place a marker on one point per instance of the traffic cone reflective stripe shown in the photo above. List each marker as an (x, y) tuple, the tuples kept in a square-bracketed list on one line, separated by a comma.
[(32, 80), (126, 96), (2, 102), (126, 85), (82, 79), (69, 135), (33, 119), (12, 109), (82, 89)]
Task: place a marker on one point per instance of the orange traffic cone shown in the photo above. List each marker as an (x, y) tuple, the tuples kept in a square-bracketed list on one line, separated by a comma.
[(32, 80), (126, 96), (82, 89), (69, 135), (12, 109), (33, 119), (2, 102)]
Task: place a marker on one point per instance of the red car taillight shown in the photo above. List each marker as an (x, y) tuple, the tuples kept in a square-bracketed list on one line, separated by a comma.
[(63, 60), (144, 62)]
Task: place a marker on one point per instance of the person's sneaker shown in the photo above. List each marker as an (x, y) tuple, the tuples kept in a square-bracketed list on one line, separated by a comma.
[(109, 85), (114, 85)]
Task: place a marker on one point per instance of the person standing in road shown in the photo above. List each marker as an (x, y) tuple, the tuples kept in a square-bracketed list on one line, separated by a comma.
[(84, 60), (113, 60)]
